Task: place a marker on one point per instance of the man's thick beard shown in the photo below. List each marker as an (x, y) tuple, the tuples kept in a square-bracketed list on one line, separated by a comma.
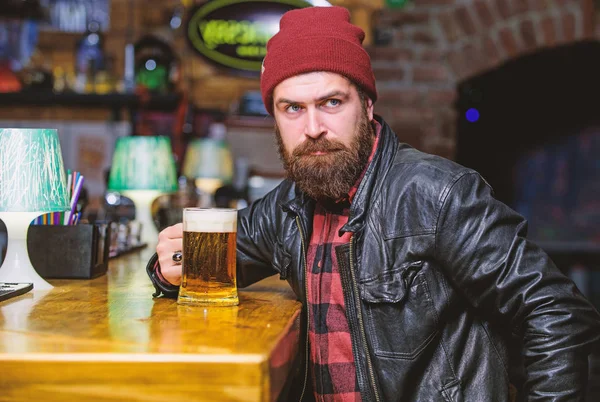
[(328, 177)]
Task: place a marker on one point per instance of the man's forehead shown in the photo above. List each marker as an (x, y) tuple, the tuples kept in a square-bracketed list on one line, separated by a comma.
[(322, 81)]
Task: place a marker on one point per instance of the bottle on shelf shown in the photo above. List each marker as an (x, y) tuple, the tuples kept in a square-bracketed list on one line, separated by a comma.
[(90, 58)]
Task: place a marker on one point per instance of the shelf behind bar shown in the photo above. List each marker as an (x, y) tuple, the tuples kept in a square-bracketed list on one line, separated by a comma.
[(110, 101), (567, 253), (570, 247)]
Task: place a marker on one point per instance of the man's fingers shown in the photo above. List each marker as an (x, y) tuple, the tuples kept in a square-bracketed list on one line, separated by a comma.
[(169, 269), (171, 232), (168, 247), (170, 240)]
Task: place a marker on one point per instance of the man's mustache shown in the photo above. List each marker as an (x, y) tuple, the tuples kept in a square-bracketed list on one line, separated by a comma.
[(320, 145)]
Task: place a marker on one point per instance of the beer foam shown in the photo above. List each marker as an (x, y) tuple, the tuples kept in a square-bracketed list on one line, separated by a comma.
[(213, 221)]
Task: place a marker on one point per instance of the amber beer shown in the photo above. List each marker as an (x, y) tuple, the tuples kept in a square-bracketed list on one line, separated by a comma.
[(209, 247)]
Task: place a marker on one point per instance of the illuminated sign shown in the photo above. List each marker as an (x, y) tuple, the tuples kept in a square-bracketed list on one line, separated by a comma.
[(234, 33)]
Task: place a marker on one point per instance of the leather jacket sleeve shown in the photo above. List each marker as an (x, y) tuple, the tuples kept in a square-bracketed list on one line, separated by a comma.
[(256, 237), (481, 243), (162, 288)]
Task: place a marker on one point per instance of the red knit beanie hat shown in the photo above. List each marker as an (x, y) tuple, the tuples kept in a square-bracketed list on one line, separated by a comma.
[(316, 39)]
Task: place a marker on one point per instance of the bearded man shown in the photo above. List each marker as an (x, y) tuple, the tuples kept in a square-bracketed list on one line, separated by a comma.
[(416, 283)]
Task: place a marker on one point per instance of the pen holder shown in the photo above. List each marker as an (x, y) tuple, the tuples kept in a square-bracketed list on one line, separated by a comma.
[(69, 252)]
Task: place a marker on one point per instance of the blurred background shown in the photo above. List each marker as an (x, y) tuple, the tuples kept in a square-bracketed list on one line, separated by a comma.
[(507, 87)]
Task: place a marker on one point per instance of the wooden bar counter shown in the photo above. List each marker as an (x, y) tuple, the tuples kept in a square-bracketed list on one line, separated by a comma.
[(106, 339)]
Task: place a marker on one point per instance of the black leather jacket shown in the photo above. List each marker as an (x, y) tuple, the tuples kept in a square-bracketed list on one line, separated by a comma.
[(445, 297)]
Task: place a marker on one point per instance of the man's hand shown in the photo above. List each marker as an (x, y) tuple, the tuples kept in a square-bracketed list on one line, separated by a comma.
[(170, 240)]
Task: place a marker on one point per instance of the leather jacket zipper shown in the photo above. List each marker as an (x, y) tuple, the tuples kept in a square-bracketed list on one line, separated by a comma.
[(306, 351), (361, 322)]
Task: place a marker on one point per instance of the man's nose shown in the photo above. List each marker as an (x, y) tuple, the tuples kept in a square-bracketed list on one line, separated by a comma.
[(314, 128)]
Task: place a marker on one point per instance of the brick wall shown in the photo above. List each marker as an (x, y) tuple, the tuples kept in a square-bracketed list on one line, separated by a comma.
[(435, 44)]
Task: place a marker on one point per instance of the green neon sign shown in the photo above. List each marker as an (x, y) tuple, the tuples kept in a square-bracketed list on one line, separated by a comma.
[(234, 33)]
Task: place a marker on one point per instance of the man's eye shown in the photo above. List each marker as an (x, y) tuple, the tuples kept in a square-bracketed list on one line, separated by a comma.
[(293, 108), (333, 102)]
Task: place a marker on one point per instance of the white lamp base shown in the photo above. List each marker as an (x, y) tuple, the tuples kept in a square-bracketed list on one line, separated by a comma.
[(17, 267), (142, 200)]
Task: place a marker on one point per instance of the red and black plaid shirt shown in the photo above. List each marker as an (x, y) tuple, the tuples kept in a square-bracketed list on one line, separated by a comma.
[(331, 359)]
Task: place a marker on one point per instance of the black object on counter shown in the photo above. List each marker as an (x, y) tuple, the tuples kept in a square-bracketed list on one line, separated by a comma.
[(68, 252)]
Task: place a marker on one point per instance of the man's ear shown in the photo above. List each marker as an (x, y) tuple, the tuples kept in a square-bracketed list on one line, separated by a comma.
[(369, 104)]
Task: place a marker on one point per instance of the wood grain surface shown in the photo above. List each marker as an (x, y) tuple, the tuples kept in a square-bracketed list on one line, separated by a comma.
[(107, 339)]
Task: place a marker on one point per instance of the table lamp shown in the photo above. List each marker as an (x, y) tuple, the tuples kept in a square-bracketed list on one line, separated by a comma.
[(209, 163), (32, 182), (142, 169)]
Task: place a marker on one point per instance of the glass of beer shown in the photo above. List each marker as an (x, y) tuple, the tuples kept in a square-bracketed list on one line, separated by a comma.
[(209, 249)]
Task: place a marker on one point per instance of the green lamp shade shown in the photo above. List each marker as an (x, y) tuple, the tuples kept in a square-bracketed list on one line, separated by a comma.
[(32, 175), (396, 3), (208, 158), (143, 163)]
